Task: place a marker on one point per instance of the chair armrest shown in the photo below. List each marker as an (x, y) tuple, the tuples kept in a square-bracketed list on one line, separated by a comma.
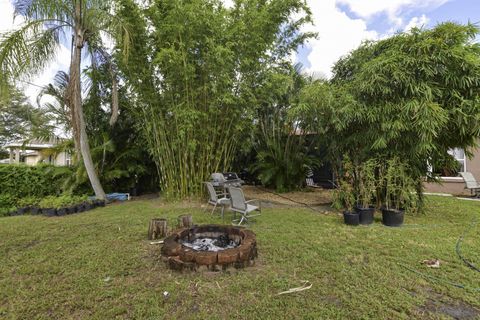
[(258, 201)]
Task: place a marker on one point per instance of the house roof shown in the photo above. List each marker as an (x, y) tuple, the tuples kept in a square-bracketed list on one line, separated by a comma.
[(35, 144)]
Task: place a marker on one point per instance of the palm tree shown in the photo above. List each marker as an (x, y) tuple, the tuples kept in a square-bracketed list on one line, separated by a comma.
[(29, 49)]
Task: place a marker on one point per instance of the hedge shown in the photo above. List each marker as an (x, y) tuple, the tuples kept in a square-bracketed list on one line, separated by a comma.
[(21, 181)]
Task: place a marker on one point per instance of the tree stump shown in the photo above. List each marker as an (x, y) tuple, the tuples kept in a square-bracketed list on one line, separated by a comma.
[(185, 221), (157, 229)]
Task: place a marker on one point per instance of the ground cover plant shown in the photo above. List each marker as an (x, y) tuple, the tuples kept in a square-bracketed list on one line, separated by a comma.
[(99, 265)]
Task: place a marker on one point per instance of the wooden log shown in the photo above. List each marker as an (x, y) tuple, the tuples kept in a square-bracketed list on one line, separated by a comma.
[(157, 229), (185, 221)]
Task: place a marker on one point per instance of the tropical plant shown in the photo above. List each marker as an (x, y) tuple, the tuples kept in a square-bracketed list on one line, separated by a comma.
[(29, 49), (397, 188), (367, 183), (413, 96), (28, 202), (194, 75), (282, 160), (19, 120), (49, 202), (344, 196)]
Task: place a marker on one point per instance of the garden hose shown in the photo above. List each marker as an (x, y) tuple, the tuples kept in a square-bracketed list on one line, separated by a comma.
[(473, 224), (457, 285), (287, 198), (459, 243)]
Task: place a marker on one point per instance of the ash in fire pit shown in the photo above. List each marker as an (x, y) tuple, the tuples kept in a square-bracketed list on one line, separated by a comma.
[(210, 246)]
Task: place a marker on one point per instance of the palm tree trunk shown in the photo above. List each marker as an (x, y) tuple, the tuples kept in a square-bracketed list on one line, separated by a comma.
[(74, 101)]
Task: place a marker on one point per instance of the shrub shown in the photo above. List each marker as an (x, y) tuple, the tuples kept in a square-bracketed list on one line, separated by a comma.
[(28, 202), (36, 181), (50, 202)]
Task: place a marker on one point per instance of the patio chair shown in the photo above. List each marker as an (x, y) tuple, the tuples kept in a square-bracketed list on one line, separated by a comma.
[(238, 204), (311, 183), (471, 183), (216, 199)]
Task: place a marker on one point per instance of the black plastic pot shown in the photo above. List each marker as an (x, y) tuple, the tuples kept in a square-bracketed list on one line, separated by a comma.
[(80, 207), (13, 213), (366, 214), (35, 211), (87, 206), (392, 217), (49, 212), (61, 211), (101, 203), (22, 211), (71, 209), (351, 218)]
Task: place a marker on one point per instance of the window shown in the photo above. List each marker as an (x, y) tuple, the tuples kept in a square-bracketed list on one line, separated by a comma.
[(459, 155), (68, 159)]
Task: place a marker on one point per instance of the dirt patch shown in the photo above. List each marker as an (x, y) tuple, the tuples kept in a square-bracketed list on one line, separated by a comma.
[(442, 305), (311, 197)]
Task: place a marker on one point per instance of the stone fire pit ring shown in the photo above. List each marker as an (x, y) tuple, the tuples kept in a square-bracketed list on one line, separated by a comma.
[(182, 257)]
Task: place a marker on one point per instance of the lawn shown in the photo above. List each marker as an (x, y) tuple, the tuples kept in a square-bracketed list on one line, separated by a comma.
[(99, 265)]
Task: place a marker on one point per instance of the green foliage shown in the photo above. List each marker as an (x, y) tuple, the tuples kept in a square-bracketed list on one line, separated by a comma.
[(7, 204), (49, 202), (413, 96), (195, 73), (282, 160), (367, 183), (37, 181), (397, 188), (28, 202), (19, 119), (344, 196)]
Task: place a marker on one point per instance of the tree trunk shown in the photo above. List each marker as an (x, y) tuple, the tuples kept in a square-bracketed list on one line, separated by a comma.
[(157, 229), (74, 101), (185, 221)]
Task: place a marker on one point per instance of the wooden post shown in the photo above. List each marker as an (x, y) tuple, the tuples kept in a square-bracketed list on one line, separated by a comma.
[(185, 221), (157, 229)]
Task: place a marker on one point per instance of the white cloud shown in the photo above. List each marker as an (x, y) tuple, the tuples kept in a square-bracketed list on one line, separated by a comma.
[(393, 8), (417, 22), (337, 35)]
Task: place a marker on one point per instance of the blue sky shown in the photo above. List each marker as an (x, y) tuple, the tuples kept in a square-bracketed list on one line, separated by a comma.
[(341, 25)]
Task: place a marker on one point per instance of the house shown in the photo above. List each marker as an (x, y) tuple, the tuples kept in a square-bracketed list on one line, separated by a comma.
[(453, 183), (35, 151)]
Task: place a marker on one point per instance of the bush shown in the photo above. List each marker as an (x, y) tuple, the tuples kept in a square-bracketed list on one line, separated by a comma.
[(36, 181), (7, 204), (50, 202), (28, 202)]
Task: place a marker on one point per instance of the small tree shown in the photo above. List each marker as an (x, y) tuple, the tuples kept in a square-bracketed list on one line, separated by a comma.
[(28, 50)]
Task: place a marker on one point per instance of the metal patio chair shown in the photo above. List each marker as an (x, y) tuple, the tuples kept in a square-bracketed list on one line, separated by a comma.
[(217, 199), (471, 183), (238, 204)]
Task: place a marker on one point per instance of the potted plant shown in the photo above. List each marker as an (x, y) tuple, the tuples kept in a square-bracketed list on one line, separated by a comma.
[(80, 201), (49, 205), (367, 187), (345, 198), (28, 204), (398, 192)]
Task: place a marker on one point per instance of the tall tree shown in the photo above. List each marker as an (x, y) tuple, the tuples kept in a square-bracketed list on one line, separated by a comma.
[(195, 78), (20, 120), (29, 49)]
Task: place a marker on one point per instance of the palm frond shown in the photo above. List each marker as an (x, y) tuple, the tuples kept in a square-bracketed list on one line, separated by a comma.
[(28, 50), (60, 11)]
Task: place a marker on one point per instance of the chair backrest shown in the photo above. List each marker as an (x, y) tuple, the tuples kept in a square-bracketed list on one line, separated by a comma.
[(218, 177), (309, 182), (211, 191), (469, 180), (237, 198)]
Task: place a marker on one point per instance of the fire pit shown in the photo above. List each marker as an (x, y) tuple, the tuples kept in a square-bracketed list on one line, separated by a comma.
[(210, 247)]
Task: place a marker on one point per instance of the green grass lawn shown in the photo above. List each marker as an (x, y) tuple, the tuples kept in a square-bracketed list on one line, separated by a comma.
[(99, 265)]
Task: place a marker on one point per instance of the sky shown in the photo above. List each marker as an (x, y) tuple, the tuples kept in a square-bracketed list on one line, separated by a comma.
[(341, 26)]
